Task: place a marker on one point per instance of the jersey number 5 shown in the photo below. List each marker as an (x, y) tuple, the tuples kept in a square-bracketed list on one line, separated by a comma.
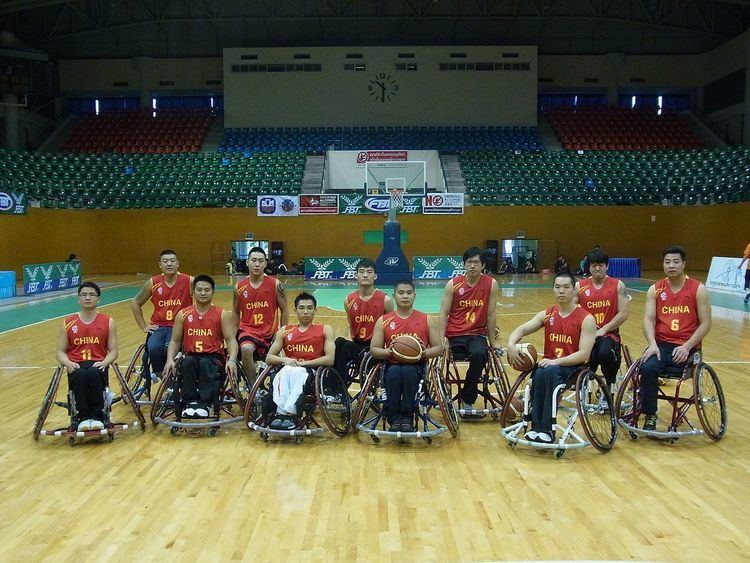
[(675, 326)]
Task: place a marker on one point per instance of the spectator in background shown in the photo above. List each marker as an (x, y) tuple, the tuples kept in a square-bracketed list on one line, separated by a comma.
[(561, 265), (73, 258)]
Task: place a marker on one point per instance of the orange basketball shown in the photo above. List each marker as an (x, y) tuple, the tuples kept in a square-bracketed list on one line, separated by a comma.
[(406, 349), (528, 357), (516, 409)]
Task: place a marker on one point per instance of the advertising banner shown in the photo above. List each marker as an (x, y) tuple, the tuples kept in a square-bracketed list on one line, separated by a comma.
[(725, 275), (39, 278), (438, 267), (319, 204), (443, 204), (360, 204), (278, 205), (12, 203), (331, 267)]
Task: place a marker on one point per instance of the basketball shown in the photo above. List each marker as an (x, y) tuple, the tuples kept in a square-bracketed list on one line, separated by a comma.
[(528, 357), (406, 349), (516, 409)]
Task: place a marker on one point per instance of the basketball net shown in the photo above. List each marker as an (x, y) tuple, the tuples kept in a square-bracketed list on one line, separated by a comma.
[(396, 202)]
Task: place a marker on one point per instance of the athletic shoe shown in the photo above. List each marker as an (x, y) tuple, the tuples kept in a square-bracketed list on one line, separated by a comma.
[(201, 412), (188, 413), (96, 424), (747, 298), (650, 423), (544, 438), (468, 408), (603, 404), (109, 398), (531, 435), (85, 425), (407, 427), (154, 377)]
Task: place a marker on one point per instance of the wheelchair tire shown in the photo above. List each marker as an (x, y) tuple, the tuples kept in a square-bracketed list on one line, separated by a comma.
[(365, 400), (128, 398), (710, 402), (336, 414), (499, 375), (627, 402), (253, 411), (511, 414), (48, 401), (160, 407), (599, 426), (130, 372), (443, 397)]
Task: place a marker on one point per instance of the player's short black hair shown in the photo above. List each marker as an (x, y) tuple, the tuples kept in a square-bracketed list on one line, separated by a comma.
[(92, 285), (256, 249), (167, 251), (304, 296), (565, 274), (404, 282), (675, 249), (474, 251), (366, 263), (204, 278), (598, 256)]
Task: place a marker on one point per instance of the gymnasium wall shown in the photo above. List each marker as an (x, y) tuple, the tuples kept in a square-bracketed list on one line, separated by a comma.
[(127, 241), (336, 96)]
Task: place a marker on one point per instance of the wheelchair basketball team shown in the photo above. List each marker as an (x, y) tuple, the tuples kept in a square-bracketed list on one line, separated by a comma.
[(194, 342)]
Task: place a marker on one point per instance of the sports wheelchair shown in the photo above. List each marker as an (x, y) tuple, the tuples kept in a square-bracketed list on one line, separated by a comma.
[(138, 375), (324, 393), (494, 383), (705, 393), (432, 392), (228, 402), (71, 431), (585, 397)]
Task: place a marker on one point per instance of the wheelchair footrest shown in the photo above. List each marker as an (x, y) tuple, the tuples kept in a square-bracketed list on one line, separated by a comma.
[(417, 434), (67, 433), (661, 434), (291, 433), (206, 423), (511, 434)]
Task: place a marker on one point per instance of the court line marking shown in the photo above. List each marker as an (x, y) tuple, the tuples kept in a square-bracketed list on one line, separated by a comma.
[(68, 293)]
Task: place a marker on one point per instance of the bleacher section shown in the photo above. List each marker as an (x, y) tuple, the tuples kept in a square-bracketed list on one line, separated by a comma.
[(612, 128), (320, 139), (139, 131), (607, 178), (145, 180)]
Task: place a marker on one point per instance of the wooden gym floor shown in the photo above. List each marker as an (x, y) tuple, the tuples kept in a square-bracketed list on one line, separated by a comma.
[(153, 496)]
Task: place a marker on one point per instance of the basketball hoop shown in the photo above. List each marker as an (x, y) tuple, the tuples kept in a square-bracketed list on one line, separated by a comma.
[(396, 202)]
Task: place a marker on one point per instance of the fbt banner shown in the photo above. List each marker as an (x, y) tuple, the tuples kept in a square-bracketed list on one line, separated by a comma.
[(331, 268), (12, 203), (360, 204), (39, 278), (725, 274), (438, 267)]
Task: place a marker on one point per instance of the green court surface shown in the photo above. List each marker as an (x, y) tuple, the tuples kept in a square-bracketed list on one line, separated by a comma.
[(328, 295)]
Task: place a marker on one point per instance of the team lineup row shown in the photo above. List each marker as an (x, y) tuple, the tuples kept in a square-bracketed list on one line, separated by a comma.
[(581, 328)]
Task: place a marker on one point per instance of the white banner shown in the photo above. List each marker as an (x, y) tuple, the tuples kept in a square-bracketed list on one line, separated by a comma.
[(345, 170), (278, 205), (725, 275), (443, 204)]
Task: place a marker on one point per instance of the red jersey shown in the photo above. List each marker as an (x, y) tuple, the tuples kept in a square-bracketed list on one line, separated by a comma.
[(601, 303), (468, 314), (415, 325), (257, 307), (87, 342), (167, 300), (307, 345), (363, 314), (562, 334), (201, 333), (676, 312)]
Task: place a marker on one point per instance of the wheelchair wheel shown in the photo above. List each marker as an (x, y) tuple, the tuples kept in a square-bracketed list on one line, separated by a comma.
[(599, 424), (513, 406), (366, 396), (48, 401), (443, 397), (334, 400), (253, 411), (710, 402), (627, 402), (164, 404), (134, 372), (128, 398), (498, 375)]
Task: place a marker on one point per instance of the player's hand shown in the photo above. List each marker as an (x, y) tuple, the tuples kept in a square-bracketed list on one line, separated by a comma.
[(544, 362), (651, 351), (514, 356), (168, 368), (148, 329), (101, 366), (231, 368), (290, 362), (71, 366), (680, 354), (599, 332)]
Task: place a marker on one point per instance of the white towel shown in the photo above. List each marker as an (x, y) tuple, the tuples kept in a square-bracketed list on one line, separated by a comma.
[(287, 387)]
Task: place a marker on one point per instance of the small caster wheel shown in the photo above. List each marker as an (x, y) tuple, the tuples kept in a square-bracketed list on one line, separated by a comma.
[(264, 436), (511, 445), (633, 435), (212, 431), (174, 430), (428, 439), (375, 439), (72, 441), (559, 453), (110, 437), (298, 440)]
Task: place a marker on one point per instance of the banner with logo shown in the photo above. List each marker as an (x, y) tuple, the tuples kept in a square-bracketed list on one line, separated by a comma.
[(39, 278), (438, 267), (319, 204), (278, 205), (443, 204), (346, 170), (360, 204), (331, 268), (725, 274), (12, 203)]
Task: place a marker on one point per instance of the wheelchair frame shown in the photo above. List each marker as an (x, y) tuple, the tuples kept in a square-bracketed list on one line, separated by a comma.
[(110, 428)]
